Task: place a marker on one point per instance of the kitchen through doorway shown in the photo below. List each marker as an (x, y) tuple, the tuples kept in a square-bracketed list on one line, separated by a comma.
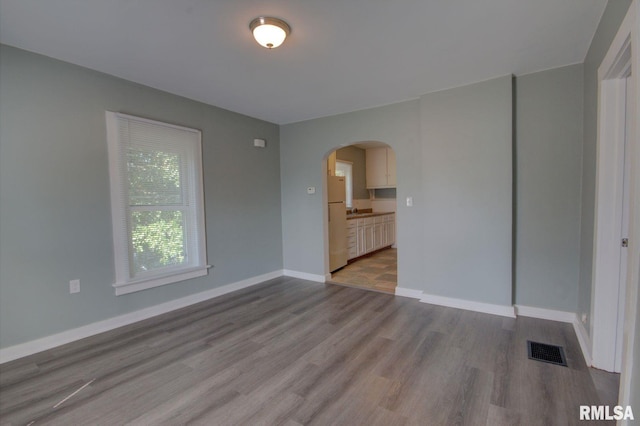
[(361, 220), (377, 271)]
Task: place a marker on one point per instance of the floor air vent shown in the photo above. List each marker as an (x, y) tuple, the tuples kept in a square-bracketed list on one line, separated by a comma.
[(546, 353)]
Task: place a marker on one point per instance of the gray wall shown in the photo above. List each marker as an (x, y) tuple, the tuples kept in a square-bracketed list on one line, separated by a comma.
[(467, 192), (303, 147), (472, 124), (548, 167), (454, 151), (607, 28), (55, 223), (359, 170)]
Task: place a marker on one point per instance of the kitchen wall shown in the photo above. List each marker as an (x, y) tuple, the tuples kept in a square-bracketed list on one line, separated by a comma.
[(384, 198), (55, 224), (613, 15), (547, 199)]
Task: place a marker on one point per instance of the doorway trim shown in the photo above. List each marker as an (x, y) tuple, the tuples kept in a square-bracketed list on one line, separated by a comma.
[(607, 290), (612, 351)]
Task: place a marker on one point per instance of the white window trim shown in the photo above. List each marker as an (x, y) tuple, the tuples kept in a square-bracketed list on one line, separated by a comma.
[(124, 284)]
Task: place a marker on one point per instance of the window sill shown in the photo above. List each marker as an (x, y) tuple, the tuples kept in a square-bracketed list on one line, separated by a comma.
[(139, 285)]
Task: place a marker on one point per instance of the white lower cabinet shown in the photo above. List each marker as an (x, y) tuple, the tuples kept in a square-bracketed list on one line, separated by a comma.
[(364, 232), (352, 239), (379, 239), (390, 229), (360, 250), (369, 234)]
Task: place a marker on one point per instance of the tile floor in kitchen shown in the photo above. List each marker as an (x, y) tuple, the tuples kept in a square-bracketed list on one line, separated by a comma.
[(378, 271)]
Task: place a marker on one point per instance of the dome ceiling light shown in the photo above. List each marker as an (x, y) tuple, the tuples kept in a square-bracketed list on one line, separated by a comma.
[(269, 32)]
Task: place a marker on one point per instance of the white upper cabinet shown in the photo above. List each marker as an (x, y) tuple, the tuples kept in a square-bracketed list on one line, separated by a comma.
[(391, 167), (381, 168)]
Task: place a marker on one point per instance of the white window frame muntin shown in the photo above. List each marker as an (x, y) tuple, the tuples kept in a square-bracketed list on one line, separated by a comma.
[(124, 284)]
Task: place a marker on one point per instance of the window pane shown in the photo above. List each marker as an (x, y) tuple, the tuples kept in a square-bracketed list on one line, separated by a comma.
[(154, 177), (157, 238), (346, 170)]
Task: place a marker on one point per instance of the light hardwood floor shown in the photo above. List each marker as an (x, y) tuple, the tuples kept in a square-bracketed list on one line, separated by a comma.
[(294, 352), (378, 271)]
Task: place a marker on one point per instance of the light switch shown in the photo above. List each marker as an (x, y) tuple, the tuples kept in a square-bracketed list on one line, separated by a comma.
[(311, 190), (409, 201)]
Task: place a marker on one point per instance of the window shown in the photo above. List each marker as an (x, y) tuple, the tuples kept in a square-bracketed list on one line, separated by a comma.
[(157, 202), (344, 168)]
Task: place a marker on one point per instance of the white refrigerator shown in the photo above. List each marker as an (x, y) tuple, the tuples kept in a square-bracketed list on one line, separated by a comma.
[(336, 192)]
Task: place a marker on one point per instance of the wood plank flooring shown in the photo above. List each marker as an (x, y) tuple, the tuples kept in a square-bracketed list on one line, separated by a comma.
[(292, 352)]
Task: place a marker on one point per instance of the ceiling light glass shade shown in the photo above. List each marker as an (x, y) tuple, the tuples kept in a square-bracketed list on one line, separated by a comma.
[(269, 32)]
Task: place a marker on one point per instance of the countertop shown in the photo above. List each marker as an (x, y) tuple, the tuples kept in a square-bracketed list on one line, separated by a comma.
[(363, 215)]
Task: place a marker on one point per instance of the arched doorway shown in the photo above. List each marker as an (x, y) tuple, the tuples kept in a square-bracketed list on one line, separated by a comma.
[(360, 248)]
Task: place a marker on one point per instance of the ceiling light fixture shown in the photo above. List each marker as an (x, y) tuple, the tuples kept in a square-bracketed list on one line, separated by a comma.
[(269, 32)]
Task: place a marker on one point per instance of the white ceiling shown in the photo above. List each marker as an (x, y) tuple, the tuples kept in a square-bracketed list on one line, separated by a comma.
[(342, 55)]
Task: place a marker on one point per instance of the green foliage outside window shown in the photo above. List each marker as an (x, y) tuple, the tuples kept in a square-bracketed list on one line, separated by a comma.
[(157, 234), (158, 239)]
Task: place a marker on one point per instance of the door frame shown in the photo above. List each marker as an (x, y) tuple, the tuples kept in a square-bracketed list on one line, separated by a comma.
[(607, 291), (610, 351)]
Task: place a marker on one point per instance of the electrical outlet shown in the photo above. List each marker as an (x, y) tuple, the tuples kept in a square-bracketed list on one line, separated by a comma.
[(74, 286), (584, 318)]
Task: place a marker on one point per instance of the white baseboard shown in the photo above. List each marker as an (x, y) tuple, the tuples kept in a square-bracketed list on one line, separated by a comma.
[(469, 305), (583, 339), (569, 317), (547, 314), (304, 275), (409, 292), (34, 346)]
